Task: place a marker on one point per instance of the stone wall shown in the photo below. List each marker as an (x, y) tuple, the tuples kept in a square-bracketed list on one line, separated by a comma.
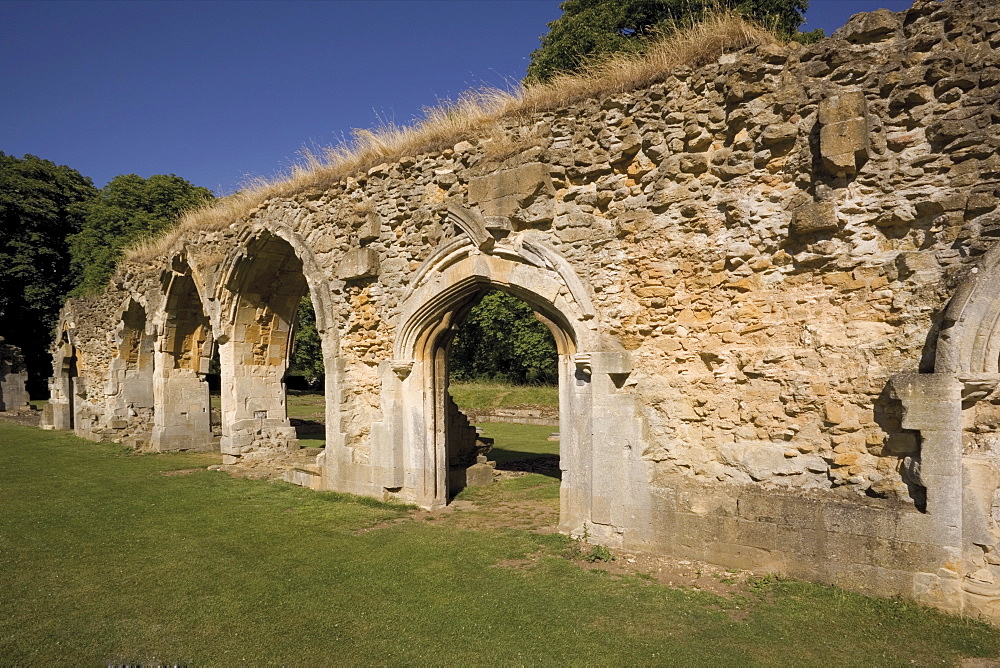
[(13, 376), (768, 280)]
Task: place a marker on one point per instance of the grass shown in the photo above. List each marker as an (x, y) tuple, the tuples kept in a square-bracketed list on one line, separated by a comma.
[(514, 442), (109, 557), (501, 395), (476, 117)]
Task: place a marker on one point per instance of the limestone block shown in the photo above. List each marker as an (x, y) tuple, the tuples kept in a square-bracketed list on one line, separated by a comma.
[(871, 27), (765, 461), (371, 227), (844, 139), (358, 263), (813, 218), (479, 475), (502, 194)]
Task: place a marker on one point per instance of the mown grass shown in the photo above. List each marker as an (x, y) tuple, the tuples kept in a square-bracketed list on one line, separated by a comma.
[(502, 395), (108, 557), (514, 442)]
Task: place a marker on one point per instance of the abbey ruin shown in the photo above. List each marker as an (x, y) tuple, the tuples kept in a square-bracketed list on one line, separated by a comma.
[(773, 280)]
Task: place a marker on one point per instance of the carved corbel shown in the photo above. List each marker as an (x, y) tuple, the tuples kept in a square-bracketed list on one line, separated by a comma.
[(979, 386), (401, 368), (584, 365)]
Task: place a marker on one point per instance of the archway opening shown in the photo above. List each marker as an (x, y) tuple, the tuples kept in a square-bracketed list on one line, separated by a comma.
[(305, 379), (182, 419), (133, 370), (504, 377), (70, 384), (491, 350), (267, 402)]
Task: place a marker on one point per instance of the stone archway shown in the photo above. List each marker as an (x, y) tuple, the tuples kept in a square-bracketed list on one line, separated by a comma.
[(262, 283), (60, 411), (132, 374), (604, 477), (182, 415)]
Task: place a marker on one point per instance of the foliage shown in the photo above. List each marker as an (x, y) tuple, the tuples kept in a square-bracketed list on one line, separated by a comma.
[(810, 37), (40, 204), (502, 340), (307, 351), (127, 209), (590, 29)]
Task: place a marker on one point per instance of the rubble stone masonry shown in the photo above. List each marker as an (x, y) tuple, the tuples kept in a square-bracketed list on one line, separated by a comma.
[(772, 280)]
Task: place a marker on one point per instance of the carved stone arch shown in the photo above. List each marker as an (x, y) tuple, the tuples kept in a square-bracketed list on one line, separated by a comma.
[(184, 346), (232, 271), (602, 491), (523, 266), (261, 282), (969, 337), (961, 483), (473, 225)]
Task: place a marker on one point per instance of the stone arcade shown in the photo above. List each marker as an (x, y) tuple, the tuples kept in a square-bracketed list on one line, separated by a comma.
[(772, 279)]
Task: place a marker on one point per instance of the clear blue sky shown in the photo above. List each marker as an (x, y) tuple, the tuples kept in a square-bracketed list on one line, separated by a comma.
[(216, 91)]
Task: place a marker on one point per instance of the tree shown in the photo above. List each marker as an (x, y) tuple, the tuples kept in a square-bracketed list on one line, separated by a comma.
[(128, 208), (502, 340), (307, 351), (40, 204), (589, 29)]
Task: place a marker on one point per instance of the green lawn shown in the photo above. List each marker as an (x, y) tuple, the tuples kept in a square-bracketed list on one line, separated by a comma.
[(109, 557), (500, 395), (513, 442)]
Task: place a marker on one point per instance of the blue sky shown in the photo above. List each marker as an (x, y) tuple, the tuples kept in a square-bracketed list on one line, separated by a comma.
[(218, 91)]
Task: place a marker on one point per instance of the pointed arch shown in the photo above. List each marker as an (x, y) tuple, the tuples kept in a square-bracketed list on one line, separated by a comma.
[(261, 283), (182, 404)]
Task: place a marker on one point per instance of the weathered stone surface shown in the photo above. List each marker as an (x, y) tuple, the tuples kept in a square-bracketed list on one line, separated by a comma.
[(844, 136), (772, 278), (508, 193), (814, 217), (358, 263)]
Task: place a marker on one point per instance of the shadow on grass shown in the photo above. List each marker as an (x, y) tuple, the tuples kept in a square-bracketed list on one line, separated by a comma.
[(306, 428), (526, 462)]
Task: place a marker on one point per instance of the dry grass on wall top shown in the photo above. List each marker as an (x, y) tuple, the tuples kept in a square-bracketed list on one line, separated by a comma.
[(473, 116)]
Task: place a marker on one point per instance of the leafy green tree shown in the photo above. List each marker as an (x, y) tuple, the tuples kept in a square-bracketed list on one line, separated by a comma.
[(307, 351), (589, 29), (502, 340), (41, 203), (128, 208)]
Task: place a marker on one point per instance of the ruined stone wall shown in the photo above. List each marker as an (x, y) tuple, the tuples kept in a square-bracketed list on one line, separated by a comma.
[(13, 376), (756, 247)]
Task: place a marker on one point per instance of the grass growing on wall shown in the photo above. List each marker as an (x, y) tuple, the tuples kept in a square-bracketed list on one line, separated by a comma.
[(108, 557), (474, 116)]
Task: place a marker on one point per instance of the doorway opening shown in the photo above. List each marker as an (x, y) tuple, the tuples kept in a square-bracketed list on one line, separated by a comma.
[(501, 400), (182, 415)]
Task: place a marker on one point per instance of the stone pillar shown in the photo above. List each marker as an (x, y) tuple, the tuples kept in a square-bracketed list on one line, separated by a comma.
[(182, 420), (932, 405), (619, 505), (254, 411)]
